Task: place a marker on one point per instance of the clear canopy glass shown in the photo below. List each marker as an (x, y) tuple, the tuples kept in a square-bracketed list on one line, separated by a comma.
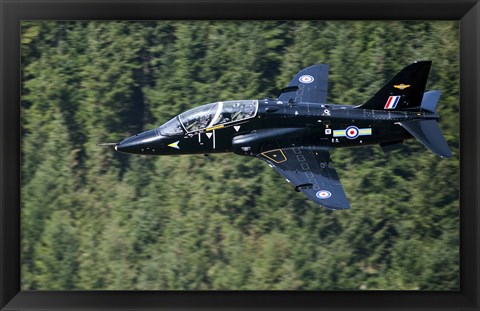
[(210, 115), (219, 113), (198, 118), (171, 128)]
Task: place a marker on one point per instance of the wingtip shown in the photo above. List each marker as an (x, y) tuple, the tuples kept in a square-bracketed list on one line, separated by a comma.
[(339, 208), (447, 155), (335, 208)]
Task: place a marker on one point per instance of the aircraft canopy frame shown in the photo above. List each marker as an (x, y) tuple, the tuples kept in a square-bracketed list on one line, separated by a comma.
[(218, 114)]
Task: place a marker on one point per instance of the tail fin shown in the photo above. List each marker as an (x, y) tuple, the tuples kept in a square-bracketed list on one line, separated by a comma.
[(429, 134), (404, 91)]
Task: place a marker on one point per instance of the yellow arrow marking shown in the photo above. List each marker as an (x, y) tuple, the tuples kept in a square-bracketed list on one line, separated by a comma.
[(174, 145)]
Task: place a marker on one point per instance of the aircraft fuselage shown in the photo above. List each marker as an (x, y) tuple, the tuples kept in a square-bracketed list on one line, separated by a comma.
[(276, 125)]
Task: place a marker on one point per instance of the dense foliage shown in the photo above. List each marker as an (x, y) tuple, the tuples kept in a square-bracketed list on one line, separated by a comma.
[(96, 219)]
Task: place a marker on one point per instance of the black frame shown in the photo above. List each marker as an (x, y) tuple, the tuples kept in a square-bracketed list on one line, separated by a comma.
[(13, 11)]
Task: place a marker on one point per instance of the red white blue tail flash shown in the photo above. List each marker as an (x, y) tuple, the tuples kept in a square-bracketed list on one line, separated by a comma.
[(392, 102)]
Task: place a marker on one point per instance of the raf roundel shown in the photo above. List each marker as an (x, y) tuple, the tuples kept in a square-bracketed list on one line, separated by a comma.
[(352, 132), (306, 79), (323, 194)]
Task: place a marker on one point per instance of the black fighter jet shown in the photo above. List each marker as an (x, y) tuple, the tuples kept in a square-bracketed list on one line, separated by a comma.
[(294, 132)]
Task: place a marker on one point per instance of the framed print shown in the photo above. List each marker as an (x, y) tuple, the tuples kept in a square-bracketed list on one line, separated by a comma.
[(90, 221)]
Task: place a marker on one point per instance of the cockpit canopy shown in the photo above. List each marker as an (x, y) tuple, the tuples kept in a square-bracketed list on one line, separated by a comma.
[(171, 128), (210, 115)]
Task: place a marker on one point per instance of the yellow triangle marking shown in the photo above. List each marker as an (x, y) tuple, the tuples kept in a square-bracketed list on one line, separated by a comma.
[(174, 145)]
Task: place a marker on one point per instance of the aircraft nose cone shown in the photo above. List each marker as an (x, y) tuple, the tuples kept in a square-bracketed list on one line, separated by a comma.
[(127, 145), (140, 144)]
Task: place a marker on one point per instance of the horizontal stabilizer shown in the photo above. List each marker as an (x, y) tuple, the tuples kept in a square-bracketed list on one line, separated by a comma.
[(429, 134)]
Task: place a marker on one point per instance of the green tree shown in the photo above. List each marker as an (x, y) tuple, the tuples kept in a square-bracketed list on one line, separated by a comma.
[(57, 261)]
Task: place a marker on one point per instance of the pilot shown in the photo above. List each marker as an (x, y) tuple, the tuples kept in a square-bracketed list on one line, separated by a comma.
[(249, 110), (237, 116), (203, 123), (223, 118)]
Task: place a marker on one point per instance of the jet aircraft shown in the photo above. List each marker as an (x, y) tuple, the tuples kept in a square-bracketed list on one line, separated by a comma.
[(294, 132)]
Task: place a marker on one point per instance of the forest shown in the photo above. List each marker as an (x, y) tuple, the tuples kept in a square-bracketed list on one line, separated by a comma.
[(95, 219)]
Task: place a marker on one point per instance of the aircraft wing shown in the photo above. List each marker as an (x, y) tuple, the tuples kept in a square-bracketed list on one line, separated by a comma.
[(309, 85), (310, 171)]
